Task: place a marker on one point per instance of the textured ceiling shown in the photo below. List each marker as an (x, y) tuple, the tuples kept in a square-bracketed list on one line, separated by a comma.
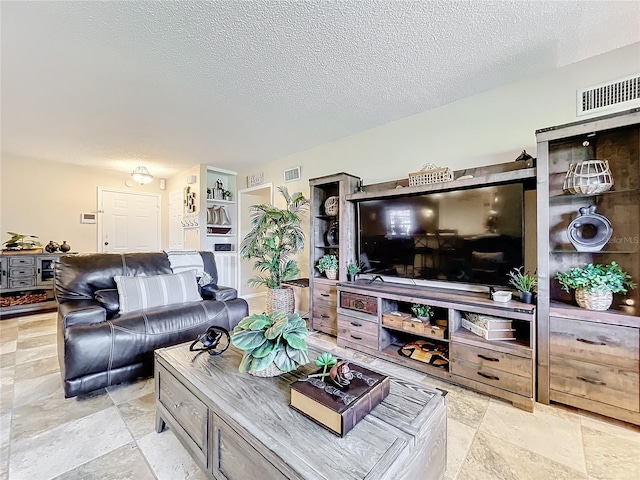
[(230, 83)]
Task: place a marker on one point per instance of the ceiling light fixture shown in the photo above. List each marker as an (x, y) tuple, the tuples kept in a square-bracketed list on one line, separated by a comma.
[(142, 175)]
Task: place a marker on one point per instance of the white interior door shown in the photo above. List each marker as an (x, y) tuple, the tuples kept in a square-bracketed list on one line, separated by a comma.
[(246, 198), (176, 232), (129, 222)]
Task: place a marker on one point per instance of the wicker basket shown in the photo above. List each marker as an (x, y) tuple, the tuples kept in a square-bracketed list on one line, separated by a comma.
[(270, 371), (588, 178), (281, 300), (593, 300), (331, 274), (430, 174)]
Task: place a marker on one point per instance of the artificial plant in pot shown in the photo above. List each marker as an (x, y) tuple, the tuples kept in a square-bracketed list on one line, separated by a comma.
[(353, 269), (595, 285), (524, 282), (273, 343), (422, 311), (18, 241), (328, 264), (275, 237)]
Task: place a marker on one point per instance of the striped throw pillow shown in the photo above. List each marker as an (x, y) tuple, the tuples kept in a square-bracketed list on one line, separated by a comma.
[(139, 293)]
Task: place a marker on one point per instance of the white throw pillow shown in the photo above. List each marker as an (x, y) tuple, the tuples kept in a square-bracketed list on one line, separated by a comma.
[(139, 293)]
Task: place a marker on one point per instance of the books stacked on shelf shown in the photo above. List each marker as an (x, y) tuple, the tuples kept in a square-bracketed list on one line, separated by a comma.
[(489, 328), (339, 410)]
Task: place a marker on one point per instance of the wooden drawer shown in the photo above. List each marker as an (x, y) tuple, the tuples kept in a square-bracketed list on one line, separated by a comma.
[(358, 336), (356, 325), (484, 357), (361, 303), (236, 459), (325, 295), (492, 376), (325, 319), (22, 272), (188, 411), (610, 385), (22, 261), (22, 282), (596, 343)]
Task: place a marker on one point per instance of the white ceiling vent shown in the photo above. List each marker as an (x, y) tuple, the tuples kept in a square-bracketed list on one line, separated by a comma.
[(292, 174), (615, 95)]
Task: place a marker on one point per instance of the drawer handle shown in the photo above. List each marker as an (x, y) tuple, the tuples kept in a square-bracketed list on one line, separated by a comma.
[(324, 316), (591, 380), (357, 338), (488, 359), (356, 324), (490, 377), (325, 295), (177, 405), (590, 342)]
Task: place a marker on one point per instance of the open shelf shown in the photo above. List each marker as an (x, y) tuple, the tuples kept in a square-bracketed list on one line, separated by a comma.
[(392, 353), (421, 335), (515, 347), (567, 196)]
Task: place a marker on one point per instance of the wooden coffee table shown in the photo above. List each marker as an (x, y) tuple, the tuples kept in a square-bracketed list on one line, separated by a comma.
[(237, 426)]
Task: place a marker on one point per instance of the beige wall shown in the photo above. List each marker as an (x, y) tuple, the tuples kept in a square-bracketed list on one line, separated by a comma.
[(46, 199), (488, 128)]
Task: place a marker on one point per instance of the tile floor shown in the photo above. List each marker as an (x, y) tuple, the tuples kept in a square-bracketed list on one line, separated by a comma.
[(110, 434)]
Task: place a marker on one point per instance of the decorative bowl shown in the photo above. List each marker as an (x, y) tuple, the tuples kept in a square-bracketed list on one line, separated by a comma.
[(501, 296)]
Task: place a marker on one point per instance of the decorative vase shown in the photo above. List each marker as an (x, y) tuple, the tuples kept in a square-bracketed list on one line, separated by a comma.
[(592, 300), (270, 371), (424, 320), (65, 247), (331, 274), (51, 247), (526, 297), (281, 300)]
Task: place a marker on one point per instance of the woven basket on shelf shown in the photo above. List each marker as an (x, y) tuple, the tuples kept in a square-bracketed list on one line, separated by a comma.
[(588, 178), (593, 300), (331, 274), (270, 371), (281, 300), (430, 173)]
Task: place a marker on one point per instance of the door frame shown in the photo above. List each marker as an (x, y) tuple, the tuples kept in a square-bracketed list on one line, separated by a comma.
[(239, 220), (100, 212)]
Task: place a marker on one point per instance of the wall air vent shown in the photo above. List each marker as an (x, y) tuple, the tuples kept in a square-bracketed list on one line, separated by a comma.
[(292, 174), (616, 95)]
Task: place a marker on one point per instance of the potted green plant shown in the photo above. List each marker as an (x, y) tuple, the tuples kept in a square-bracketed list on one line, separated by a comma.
[(422, 311), (524, 282), (595, 285), (19, 241), (275, 237), (273, 343), (353, 269), (328, 264)]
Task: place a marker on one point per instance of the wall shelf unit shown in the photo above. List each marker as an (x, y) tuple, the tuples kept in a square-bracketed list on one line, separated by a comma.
[(589, 359)]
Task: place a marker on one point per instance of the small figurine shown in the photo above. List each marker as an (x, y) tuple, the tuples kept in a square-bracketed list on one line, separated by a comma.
[(341, 374), (51, 247)]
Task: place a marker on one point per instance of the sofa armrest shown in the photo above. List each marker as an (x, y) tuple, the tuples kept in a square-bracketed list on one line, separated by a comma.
[(81, 312), (217, 292)]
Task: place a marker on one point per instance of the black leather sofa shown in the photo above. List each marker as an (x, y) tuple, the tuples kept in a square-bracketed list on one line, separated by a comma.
[(98, 347)]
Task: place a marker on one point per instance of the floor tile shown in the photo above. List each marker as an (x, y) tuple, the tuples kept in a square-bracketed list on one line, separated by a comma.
[(5, 429), (39, 341), (139, 415), (36, 353), (124, 392), (124, 463), (8, 334), (6, 323), (491, 458), (8, 346), (459, 438), (50, 454), (4, 463), (168, 458), (7, 359), (609, 455), (465, 406), (37, 329), (36, 389), (37, 368), (6, 398), (548, 431)]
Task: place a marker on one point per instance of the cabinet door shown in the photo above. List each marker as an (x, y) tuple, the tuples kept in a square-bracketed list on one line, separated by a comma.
[(235, 459), (3, 273)]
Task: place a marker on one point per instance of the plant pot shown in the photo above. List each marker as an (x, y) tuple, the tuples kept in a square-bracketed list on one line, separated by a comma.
[(281, 300), (270, 371), (331, 274), (526, 297), (424, 320), (352, 277), (592, 300)]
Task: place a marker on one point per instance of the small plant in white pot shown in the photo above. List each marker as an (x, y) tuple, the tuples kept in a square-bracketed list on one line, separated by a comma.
[(353, 269), (422, 312), (524, 282), (595, 284), (328, 264)]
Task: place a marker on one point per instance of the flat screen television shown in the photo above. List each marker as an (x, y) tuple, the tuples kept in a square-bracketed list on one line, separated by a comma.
[(472, 236)]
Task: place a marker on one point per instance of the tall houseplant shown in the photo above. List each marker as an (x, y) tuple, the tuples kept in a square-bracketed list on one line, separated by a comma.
[(595, 284), (275, 237)]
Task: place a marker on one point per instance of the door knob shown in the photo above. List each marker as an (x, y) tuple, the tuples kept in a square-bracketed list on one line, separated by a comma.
[(106, 243)]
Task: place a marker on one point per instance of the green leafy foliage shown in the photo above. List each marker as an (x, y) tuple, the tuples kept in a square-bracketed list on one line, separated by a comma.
[(524, 282), (275, 236), (276, 337), (328, 262), (353, 268), (420, 310), (596, 278), (19, 241)]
